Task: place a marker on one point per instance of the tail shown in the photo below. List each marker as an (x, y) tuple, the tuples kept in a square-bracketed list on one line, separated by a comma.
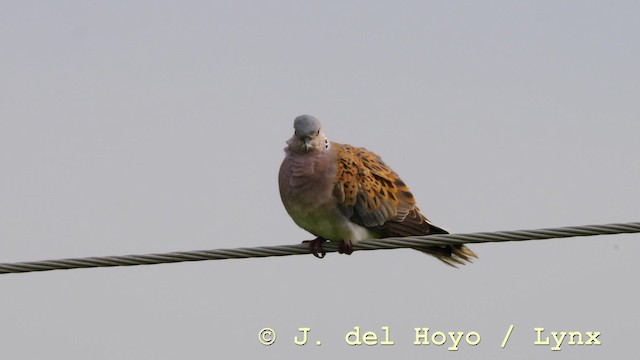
[(416, 224), (452, 255)]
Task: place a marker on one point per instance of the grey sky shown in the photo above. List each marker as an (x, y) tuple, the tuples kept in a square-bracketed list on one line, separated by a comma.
[(143, 127)]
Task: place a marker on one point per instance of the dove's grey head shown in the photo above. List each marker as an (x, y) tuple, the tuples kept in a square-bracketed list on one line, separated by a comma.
[(308, 135)]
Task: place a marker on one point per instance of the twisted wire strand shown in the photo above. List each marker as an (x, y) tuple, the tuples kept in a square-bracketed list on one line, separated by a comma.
[(301, 249)]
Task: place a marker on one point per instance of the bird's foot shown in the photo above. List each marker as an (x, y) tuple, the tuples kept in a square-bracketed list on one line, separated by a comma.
[(345, 248), (315, 247)]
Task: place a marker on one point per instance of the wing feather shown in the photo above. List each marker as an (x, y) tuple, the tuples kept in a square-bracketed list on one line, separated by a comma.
[(367, 190), (370, 194)]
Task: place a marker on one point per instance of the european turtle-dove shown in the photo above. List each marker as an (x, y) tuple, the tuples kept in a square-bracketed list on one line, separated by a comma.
[(343, 193)]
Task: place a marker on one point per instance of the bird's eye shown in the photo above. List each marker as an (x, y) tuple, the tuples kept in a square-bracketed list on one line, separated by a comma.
[(318, 132)]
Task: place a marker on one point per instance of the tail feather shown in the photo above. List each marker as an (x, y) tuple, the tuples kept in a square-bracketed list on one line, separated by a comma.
[(416, 224), (452, 255)]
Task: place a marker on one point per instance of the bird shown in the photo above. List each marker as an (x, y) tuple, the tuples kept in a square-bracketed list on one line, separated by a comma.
[(339, 192)]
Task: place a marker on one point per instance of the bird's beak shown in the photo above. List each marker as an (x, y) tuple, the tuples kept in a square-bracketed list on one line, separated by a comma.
[(306, 144)]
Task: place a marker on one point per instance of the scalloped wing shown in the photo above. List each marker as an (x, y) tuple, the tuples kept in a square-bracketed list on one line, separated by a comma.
[(370, 194), (367, 190)]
